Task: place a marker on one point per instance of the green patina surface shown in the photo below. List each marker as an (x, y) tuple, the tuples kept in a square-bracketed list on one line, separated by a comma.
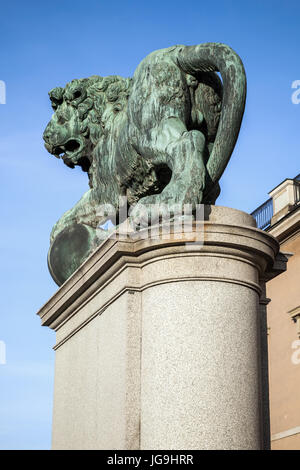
[(162, 139)]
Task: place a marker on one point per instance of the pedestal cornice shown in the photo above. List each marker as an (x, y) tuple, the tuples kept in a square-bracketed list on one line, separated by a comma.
[(227, 241)]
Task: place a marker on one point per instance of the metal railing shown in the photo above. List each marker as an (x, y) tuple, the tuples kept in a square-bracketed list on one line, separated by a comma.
[(263, 214), (297, 190)]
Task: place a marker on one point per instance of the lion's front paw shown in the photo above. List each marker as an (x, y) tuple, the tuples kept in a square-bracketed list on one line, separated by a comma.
[(153, 210), (147, 213)]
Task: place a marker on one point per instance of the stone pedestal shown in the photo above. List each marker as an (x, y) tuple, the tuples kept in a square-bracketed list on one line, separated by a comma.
[(158, 340)]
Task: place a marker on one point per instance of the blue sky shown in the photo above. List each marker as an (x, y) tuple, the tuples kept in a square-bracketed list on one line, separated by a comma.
[(46, 44)]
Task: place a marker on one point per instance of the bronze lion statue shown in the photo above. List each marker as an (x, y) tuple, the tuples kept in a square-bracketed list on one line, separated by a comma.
[(158, 140)]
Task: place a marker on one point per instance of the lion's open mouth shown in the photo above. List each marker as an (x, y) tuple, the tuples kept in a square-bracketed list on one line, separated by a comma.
[(67, 149), (70, 154), (85, 163)]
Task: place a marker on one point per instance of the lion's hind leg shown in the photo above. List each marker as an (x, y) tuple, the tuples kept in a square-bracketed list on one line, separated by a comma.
[(183, 152)]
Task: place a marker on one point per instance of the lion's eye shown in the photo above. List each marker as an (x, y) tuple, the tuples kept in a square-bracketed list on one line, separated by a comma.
[(77, 94)]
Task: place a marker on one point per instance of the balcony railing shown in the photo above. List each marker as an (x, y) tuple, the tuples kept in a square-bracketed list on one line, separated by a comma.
[(263, 214), (297, 190)]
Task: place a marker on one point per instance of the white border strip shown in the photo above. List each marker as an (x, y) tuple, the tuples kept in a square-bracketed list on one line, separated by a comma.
[(282, 435)]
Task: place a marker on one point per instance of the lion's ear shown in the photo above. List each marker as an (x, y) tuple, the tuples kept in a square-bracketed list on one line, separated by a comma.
[(56, 96)]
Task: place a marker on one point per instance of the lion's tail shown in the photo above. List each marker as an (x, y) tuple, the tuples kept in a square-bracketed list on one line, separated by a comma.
[(217, 57)]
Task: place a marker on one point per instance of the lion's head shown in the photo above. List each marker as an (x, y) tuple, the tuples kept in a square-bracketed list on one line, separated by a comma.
[(84, 111)]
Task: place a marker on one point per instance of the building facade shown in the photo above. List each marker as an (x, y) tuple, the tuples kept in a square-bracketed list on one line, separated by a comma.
[(280, 216)]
